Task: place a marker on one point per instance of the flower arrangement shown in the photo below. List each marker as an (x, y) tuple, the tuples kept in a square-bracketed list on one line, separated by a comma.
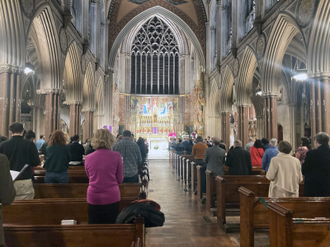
[(156, 147)]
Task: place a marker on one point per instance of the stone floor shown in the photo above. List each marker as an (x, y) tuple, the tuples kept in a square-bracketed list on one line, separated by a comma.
[(186, 221)]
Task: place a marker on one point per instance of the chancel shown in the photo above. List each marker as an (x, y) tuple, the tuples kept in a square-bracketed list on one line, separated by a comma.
[(199, 111)]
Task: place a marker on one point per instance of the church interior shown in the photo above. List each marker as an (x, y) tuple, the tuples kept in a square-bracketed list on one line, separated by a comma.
[(232, 69)]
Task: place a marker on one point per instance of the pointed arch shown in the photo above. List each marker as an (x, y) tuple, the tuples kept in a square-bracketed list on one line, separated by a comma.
[(147, 15), (214, 99), (226, 91), (43, 34), (72, 75), (284, 30), (99, 98), (12, 45), (319, 45), (245, 76), (89, 89)]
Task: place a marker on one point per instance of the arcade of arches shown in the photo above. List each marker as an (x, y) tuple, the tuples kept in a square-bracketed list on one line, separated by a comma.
[(232, 68), (223, 68)]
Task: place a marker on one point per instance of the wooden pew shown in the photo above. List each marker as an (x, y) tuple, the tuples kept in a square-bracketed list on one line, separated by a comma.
[(79, 190), (193, 176), (188, 173), (183, 168), (228, 196), (211, 192), (254, 214), (200, 173), (119, 235), (256, 170), (295, 225), (51, 211)]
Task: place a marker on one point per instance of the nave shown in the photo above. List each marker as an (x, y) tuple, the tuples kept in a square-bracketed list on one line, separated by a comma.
[(186, 222)]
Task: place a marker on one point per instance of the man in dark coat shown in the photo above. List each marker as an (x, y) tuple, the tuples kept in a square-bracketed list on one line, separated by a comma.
[(77, 151), (239, 160), (316, 168)]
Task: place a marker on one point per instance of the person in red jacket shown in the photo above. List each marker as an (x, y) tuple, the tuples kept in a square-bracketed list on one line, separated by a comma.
[(257, 152)]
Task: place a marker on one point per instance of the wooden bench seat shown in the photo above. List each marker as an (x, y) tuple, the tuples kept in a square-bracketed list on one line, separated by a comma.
[(294, 224), (79, 190), (256, 170), (51, 211), (228, 197), (254, 214), (119, 235)]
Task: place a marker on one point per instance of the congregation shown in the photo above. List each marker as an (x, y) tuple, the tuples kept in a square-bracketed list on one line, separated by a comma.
[(283, 167)]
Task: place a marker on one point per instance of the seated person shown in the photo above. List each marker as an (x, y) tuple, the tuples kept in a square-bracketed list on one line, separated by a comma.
[(77, 151)]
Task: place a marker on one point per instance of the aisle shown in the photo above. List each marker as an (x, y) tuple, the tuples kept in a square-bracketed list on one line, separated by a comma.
[(186, 223)]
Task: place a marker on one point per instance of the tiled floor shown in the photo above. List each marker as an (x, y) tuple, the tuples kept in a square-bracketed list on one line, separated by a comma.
[(186, 222)]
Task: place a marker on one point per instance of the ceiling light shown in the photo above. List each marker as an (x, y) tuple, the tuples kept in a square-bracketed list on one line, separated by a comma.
[(28, 70), (301, 77)]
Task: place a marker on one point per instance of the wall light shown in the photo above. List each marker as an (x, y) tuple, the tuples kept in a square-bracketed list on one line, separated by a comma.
[(301, 77), (28, 70), (259, 93)]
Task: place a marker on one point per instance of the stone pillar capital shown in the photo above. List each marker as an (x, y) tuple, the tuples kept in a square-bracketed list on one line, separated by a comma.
[(72, 102), (49, 91), (88, 110), (12, 69)]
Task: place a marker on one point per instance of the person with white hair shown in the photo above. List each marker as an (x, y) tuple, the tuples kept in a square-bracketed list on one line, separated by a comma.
[(271, 152), (250, 144), (214, 158)]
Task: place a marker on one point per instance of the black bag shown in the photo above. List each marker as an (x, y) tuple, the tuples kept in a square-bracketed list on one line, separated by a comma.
[(152, 217)]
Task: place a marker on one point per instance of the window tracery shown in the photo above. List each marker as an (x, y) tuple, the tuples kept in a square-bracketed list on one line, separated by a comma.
[(155, 60)]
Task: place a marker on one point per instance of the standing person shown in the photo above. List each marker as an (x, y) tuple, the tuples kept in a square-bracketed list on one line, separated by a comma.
[(20, 151), (142, 148), (249, 145), (172, 134), (214, 158), (7, 191), (222, 145), (301, 152), (76, 152), (198, 151), (238, 160), (209, 142), (185, 143), (257, 152), (40, 142), (284, 173), (57, 160), (189, 147), (174, 144), (316, 168), (130, 152), (104, 169), (30, 135), (271, 152), (265, 143), (44, 146), (179, 147)]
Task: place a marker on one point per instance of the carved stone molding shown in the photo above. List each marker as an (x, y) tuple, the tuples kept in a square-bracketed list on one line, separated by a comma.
[(49, 91), (66, 19), (27, 7), (8, 68), (261, 46), (83, 64), (88, 109), (85, 48), (73, 102), (305, 12), (63, 40), (235, 67)]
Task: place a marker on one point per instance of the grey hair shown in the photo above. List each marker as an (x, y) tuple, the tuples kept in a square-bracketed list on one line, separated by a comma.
[(322, 138), (273, 142), (237, 143), (250, 139), (216, 141)]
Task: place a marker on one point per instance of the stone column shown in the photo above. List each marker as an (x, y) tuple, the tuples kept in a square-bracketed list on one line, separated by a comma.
[(260, 127), (182, 74), (270, 117), (52, 113), (325, 94), (75, 119), (89, 124), (218, 32), (10, 97), (208, 47), (225, 130), (243, 123), (292, 115)]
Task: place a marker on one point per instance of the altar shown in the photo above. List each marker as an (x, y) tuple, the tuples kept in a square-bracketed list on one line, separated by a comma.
[(158, 148)]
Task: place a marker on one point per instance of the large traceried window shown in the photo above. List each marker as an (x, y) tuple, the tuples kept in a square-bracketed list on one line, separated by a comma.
[(155, 60)]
